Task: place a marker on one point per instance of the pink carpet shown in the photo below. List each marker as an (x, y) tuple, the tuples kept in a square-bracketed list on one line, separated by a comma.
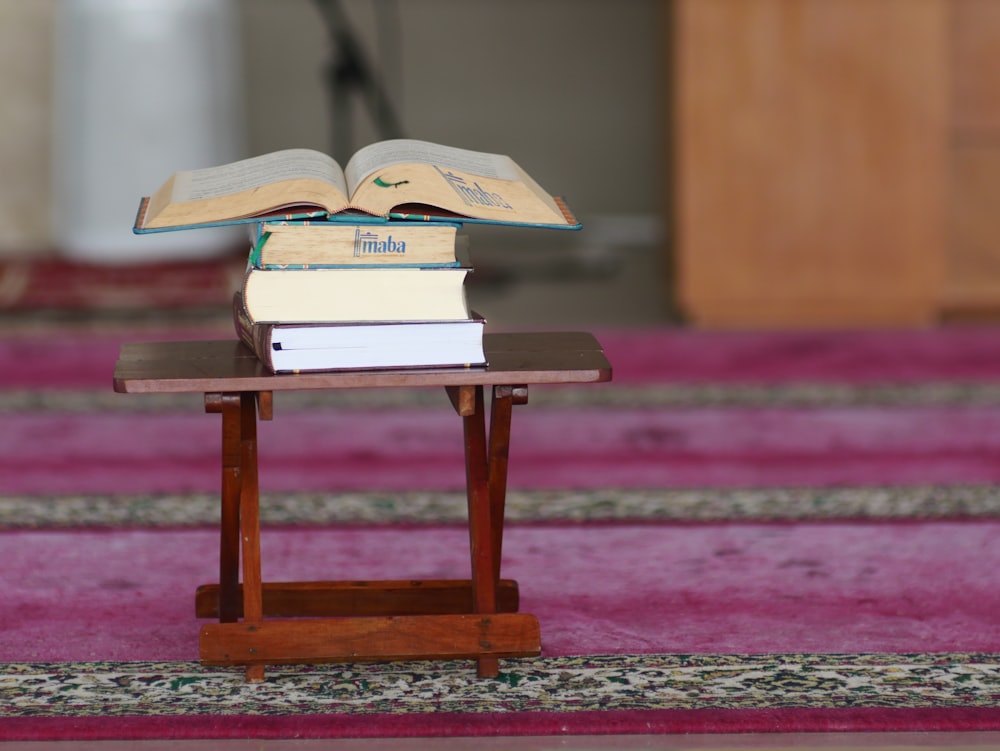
[(637, 446), (551, 449), (55, 284), (597, 589), (953, 354), (53, 452), (628, 588)]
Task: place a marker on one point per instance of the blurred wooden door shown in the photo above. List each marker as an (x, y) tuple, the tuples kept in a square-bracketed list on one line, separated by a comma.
[(972, 273), (812, 160)]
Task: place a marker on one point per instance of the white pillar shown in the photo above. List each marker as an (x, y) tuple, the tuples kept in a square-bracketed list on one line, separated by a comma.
[(143, 88)]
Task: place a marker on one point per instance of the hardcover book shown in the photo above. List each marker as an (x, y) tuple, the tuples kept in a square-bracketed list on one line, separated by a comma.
[(355, 294), (401, 179), (293, 348), (322, 244)]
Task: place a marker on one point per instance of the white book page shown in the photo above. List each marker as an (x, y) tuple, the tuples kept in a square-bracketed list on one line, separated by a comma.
[(377, 156), (213, 182)]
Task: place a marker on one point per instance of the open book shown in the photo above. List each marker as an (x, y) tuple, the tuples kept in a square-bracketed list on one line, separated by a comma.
[(396, 179)]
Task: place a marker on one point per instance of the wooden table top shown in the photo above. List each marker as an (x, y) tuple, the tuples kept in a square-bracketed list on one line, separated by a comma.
[(228, 366)]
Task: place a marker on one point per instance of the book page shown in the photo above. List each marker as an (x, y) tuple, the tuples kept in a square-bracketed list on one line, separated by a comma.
[(248, 174), (377, 156)]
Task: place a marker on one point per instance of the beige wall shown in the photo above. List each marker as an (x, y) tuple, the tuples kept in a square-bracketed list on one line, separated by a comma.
[(567, 87), (25, 94)]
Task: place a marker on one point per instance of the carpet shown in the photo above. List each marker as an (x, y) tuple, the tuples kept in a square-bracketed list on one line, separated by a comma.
[(703, 627), (47, 284), (744, 532)]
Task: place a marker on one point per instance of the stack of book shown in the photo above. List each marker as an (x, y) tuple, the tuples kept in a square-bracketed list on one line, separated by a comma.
[(362, 267), (330, 295)]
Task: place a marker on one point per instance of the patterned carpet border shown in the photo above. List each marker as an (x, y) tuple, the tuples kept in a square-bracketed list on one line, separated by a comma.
[(558, 684), (602, 505), (609, 395)]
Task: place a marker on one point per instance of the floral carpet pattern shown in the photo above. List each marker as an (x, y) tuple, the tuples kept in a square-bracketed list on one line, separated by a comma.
[(523, 506), (563, 684), (607, 396)]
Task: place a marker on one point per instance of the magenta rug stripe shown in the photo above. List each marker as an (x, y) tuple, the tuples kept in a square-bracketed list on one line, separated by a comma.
[(551, 449), (128, 595), (638, 356), (611, 722), (83, 360), (849, 356)]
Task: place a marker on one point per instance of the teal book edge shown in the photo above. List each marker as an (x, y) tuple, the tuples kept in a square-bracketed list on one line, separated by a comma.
[(410, 217), (350, 218), (259, 228)]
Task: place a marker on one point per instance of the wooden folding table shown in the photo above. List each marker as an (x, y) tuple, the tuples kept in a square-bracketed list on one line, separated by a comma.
[(335, 621)]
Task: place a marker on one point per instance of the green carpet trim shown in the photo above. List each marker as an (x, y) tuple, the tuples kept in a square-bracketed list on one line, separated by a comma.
[(695, 505), (559, 684)]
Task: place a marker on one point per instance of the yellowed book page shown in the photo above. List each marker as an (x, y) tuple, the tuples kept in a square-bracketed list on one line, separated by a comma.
[(247, 187), (479, 185), (376, 156), (327, 295), (258, 171)]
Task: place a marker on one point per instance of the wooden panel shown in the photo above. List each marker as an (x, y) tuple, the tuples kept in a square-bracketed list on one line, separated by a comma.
[(811, 154), (227, 366), (973, 270), (336, 599), (371, 639), (976, 74)]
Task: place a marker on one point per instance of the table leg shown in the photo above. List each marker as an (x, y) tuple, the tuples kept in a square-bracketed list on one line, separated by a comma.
[(240, 514), (228, 405), (504, 399), (480, 520), (253, 607), (473, 619)]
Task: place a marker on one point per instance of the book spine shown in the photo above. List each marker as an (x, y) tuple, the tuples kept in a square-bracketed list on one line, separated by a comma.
[(255, 337), (257, 240), (282, 245), (139, 226)]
